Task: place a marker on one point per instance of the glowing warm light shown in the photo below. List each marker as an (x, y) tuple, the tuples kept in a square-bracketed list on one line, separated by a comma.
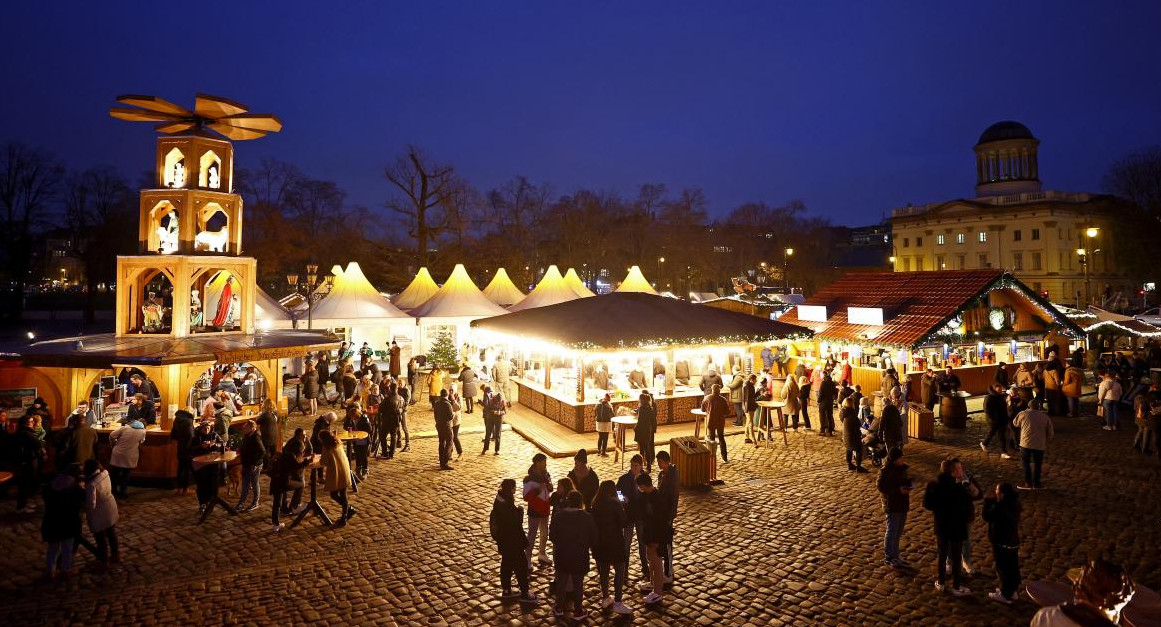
[(789, 252), (891, 259), (1092, 231), (1082, 252)]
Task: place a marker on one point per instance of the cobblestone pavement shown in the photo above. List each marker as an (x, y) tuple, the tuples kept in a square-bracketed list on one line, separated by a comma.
[(792, 538)]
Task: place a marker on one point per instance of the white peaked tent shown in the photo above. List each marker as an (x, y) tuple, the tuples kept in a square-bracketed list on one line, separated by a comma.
[(421, 288), (635, 282), (269, 314), (502, 291), (574, 281), (551, 290), (452, 309), (355, 305)]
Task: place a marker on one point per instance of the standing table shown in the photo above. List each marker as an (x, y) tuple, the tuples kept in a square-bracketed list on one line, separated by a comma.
[(698, 420), (313, 506), (202, 461), (766, 406), (350, 436), (297, 381), (621, 424)]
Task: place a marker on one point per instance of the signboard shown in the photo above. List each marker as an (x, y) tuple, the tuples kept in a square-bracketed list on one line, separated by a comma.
[(812, 313), (865, 315), (16, 401)]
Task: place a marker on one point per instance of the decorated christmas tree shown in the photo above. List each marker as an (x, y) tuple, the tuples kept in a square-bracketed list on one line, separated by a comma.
[(443, 352)]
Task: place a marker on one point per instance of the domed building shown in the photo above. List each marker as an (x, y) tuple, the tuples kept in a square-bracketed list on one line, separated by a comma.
[(1058, 243)]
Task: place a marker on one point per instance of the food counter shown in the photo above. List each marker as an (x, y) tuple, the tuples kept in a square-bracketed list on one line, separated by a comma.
[(560, 404)]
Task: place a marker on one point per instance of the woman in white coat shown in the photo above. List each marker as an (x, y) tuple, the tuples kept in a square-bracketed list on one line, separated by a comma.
[(126, 443), (101, 511)]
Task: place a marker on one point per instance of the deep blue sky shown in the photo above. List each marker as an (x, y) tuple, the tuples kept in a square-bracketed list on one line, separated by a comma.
[(854, 107)]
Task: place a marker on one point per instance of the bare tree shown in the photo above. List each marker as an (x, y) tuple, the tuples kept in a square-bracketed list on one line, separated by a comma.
[(1137, 177), (98, 204), (422, 191), (29, 183)]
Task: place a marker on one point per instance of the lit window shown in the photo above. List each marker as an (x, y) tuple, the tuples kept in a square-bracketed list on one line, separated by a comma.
[(983, 236), (959, 238), (939, 239), (1035, 233), (1017, 235)]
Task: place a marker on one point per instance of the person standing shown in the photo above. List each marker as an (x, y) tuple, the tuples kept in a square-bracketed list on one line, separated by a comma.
[(951, 509), (895, 485), (852, 436), (453, 397), (573, 534), (627, 487), (310, 387), (407, 393), (1108, 397), (1071, 388), (584, 479), (336, 475), (804, 385), (826, 397), (471, 382), (126, 442), (656, 532), (390, 409), (182, 433), (996, 410), (494, 409), (645, 431), (736, 385), (443, 420), (929, 389), (101, 513), (64, 499), (965, 478), (750, 406), (434, 384), (395, 364), (507, 532), (206, 476), (609, 549), (267, 423), (716, 409), (1053, 397), (537, 489), (282, 472), (1002, 514), (604, 424), (668, 485), (1035, 433), (81, 442), (297, 447), (252, 452), (889, 425)]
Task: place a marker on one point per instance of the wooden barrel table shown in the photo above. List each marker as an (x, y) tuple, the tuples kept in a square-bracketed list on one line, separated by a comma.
[(953, 410)]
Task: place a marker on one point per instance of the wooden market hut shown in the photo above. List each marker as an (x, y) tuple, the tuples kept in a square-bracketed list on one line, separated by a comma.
[(970, 319), (557, 346)]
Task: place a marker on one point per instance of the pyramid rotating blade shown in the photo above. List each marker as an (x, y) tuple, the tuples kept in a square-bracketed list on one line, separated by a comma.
[(141, 115), (153, 103), (214, 107), (256, 121), (235, 132)]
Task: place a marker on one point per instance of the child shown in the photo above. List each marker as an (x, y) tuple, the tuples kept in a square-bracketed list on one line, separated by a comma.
[(865, 416)]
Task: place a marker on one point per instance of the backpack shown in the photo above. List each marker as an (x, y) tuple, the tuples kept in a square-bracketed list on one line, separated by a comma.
[(498, 406)]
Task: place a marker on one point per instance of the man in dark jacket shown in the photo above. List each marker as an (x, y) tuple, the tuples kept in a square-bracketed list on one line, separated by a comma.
[(1002, 513), (443, 419), (507, 528), (827, 390), (895, 486), (390, 411), (717, 409), (996, 411), (668, 485), (951, 507), (28, 454), (627, 486), (183, 433), (852, 436), (253, 452), (573, 534), (889, 425)]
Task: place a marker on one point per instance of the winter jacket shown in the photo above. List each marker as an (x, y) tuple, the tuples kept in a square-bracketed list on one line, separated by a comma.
[(929, 388), (126, 443), (656, 525), (587, 486), (736, 388), (790, 395), (435, 382), (443, 413), (470, 381), (268, 430), (852, 437), (63, 500), (100, 506), (287, 467), (609, 516), (604, 417), (536, 492), (709, 379), (1035, 429), (336, 469), (627, 486), (390, 411), (749, 397), (1003, 518), (507, 527), (951, 507), (996, 409), (646, 427), (310, 388), (827, 391), (252, 451), (1073, 382), (668, 486), (889, 425), (891, 479), (573, 533), (81, 444), (717, 411)]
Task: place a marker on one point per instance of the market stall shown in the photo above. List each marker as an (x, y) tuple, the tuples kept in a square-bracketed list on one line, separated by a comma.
[(502, 291), (568, 355), (451, 309), (551, 289), (356, 312), (971, 320)]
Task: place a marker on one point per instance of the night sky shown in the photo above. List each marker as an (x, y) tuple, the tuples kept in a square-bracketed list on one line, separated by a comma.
[(853, 107)]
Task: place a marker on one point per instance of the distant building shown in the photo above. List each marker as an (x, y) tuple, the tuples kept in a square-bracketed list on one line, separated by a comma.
[(1054, 242), (862, 248), (59, 264)]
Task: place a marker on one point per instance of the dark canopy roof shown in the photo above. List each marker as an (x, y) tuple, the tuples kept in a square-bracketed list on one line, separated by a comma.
[(105, 350), (635, 320)]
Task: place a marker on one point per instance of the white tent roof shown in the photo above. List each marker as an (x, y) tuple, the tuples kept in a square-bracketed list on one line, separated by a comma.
[(635, 282), (551, 290), (575, 283), (353, 300), (421, 288), (502, 291), (268, 309), (459, 297)]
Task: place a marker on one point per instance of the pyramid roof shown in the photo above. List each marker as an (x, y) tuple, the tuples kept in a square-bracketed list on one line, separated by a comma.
[(268, 309), (574, 281), (635, 282), (421, 288), (502, 291), (551, 290), (458, 298), (354, 299)]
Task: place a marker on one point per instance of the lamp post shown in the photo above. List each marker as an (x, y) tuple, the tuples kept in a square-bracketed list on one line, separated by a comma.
[(660, 260), (786, 254), (307, 290), (1084, 252)]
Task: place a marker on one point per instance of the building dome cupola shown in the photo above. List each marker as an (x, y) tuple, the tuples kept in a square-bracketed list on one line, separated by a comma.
[(1006, 160)]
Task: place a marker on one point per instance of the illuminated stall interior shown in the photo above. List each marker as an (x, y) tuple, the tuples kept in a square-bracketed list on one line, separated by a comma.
[(568, 355), (969, 319)]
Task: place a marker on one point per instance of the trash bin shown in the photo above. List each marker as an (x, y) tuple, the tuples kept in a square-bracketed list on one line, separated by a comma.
[(694, 460), (953, 410), (920, 422)]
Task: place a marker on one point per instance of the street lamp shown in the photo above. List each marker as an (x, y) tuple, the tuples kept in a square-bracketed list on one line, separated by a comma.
[(660, 260), (306, 289), (786, 254), (1083, 252)]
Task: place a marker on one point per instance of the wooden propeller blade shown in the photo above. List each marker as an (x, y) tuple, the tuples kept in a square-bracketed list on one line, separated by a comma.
[(141, 115), (256, 121), (153, 103), (214, 107), (174, 127), (235, 132)]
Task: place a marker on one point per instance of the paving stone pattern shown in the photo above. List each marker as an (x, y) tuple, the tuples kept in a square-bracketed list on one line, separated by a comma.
[(792, 538)]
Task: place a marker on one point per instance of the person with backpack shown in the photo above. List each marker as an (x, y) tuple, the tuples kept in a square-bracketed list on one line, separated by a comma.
[(507, 531)]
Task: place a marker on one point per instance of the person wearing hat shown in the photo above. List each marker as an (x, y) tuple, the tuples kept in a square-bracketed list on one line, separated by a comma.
[(604, 424), (894, 486), (584, 478)]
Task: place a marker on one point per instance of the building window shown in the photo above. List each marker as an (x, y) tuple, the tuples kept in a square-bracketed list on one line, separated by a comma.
[(959, 238), (906, 242), (984, 260), (1017, 235), (1036, 262), (919, 263), (983, 236), (1035, 234), (907, 264), (939, 264), (939, 239), (1017, 261), (919, 242), (960, 262)]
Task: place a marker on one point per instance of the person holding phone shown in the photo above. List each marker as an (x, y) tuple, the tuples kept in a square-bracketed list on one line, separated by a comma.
[(895, 485)]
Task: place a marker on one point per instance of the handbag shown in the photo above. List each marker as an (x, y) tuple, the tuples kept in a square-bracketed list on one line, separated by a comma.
[(1101, 411), (296, 484)]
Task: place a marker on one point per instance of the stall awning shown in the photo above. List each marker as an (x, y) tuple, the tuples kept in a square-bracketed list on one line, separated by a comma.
[(627, 320), (105, 350)]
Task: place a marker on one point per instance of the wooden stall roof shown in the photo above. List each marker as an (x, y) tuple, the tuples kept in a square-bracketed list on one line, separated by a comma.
[(915, 304), (105, 350), (624, 320)]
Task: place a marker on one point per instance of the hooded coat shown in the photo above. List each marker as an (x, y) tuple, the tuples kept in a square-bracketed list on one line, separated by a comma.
[(100, 506), (126, 443)]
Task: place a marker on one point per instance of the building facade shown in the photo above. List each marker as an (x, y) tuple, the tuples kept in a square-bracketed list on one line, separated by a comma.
[(1058, 243)]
